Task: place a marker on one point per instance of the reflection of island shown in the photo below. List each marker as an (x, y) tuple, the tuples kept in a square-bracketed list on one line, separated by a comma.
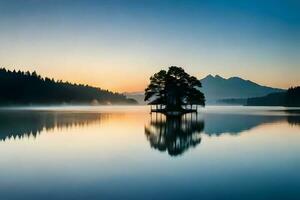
[(177, 134), (19, 124), (174, 134)]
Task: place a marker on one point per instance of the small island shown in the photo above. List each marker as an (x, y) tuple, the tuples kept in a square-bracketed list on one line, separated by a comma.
[(174, 92)]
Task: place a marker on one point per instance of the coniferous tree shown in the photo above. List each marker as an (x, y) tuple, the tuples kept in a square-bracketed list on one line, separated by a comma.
[(19, 88)]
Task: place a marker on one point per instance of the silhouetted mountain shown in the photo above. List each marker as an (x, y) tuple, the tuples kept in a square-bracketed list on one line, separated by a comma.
[(23, 88), (216, 88), (289, 98)]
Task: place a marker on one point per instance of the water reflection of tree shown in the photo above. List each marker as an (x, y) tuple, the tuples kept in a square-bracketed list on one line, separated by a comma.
[(20, 124), (294, 116), (177, 134), (174, 134)]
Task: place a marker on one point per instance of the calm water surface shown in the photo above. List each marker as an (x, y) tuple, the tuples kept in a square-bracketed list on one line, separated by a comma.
[(126, 153)]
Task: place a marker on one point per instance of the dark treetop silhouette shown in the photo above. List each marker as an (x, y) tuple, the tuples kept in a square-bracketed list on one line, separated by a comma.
[(23, 88), (172, 90)]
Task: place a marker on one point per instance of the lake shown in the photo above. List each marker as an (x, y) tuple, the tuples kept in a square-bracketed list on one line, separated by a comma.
[(124, 152)]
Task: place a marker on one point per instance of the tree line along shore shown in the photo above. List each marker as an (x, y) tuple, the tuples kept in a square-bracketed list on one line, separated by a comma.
[(29, 88)]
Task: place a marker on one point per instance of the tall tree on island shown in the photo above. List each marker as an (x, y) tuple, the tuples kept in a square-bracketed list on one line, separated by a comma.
[(173, 89)]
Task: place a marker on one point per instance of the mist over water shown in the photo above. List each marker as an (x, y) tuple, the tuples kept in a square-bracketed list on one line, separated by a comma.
[(124, 152)]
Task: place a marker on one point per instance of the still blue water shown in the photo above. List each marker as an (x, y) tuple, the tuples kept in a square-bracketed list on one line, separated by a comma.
[(119, 152)]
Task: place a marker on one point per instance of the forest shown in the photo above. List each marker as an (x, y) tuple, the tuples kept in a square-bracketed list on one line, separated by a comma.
[(29, 88), (290, 98)]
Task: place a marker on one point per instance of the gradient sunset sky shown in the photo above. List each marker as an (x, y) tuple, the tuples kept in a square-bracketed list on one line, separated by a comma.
[(117, 45)]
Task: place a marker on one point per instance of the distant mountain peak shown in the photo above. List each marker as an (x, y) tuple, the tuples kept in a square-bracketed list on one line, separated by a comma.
[(209, 76), (236, 78), (217, 87), (213, 77), (220, 77)]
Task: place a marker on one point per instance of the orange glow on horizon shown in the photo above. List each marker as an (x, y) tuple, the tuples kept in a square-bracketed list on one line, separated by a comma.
[(137, 80)]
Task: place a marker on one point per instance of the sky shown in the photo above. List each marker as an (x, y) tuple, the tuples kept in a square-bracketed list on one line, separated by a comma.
[(119, 44)]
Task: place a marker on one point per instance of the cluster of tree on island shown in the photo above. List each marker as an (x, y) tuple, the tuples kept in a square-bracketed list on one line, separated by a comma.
[(173, 89), (24, 88)]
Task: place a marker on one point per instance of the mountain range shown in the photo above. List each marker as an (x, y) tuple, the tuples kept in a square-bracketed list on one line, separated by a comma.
[(217, 88)]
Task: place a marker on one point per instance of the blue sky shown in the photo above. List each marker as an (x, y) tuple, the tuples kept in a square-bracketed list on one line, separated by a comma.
[(119, 44)]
